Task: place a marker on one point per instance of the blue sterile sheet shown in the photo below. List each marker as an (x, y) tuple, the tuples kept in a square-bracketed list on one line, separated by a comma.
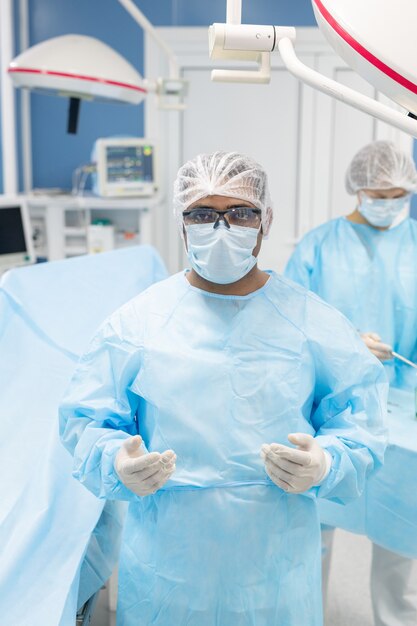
[(58, 542), (387, 511)]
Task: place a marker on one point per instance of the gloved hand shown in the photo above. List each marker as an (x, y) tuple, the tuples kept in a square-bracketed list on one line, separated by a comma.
[(382, 351), (140, 471), (296, 470)]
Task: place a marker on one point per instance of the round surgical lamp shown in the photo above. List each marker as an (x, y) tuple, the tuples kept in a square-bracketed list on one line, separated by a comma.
[(79, 68), (377, 40)]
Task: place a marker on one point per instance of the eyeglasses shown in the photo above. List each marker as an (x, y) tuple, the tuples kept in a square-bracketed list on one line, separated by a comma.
[(236, 216)]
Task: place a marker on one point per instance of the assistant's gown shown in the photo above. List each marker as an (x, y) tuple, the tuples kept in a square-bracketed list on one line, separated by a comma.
[(369, 275)]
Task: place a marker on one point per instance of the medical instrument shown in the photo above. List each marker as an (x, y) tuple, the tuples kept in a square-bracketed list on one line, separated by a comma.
[(16, 244), (125, 166), (404, 360), (381, 50)]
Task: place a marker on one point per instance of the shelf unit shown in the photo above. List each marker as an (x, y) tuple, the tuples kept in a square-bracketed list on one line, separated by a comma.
[(66, 218)]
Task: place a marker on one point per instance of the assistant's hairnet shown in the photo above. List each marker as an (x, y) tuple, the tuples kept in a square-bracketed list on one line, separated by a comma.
[(224, 174), (381, 165)]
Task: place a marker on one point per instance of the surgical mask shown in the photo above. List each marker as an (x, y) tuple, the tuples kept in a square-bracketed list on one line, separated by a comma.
[(382, 211), (221, 255)]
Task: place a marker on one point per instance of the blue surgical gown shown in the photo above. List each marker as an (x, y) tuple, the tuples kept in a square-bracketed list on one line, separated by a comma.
[(371, 277), (213, 377)]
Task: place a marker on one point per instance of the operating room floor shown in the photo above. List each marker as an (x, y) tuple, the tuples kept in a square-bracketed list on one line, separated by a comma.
[(102, 616), (349, 600)]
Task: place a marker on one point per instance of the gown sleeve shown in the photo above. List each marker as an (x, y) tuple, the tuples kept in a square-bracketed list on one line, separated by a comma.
[(300, 265), (349, 406), (99, 409)]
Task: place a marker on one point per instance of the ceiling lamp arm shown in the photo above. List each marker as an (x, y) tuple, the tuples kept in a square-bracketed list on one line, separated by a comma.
[(341, 92), (164, 88), (262, 59), (248, 42), (234, 12), (148, 27)]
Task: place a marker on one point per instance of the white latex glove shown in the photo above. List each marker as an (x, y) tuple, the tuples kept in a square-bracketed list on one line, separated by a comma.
[(296, 470), (382, 351), (140, 471)]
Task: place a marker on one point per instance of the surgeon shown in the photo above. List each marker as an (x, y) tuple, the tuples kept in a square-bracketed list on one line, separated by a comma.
[(365, 264), (221, 403)]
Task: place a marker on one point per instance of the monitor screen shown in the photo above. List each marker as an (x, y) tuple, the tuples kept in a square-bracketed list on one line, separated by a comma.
[(129, 164), (12, 234)]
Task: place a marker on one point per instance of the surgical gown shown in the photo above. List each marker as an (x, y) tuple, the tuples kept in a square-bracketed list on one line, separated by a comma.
[(371, 277), (213, 377)]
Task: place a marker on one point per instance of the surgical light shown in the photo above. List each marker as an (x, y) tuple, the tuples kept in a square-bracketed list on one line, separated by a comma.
[(78, 67), (375, 38)]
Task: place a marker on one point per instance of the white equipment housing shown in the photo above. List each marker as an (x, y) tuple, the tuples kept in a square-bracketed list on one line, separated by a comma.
[(78, 66), (100, 238), (379, 44), (125, 167), (16, 245), (377, 40)]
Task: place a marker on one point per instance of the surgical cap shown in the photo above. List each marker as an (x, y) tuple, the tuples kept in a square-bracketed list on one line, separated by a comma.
[(380, 165), (223, 174)]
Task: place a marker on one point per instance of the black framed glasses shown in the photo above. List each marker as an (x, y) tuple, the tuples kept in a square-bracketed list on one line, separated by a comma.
[(236, 216)]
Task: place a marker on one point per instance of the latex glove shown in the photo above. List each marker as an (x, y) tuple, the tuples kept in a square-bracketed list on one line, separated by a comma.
[(140, 471), (382, 351), (296, 470)]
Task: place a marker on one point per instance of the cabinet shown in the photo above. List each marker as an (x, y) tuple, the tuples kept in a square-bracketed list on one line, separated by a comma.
[(65, 220)]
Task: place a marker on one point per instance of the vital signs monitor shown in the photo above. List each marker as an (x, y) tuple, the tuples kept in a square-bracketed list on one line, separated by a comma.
[(125, 167)]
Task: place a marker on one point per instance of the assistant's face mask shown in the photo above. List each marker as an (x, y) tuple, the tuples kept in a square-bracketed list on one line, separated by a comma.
[(221, 255), (383, 211)]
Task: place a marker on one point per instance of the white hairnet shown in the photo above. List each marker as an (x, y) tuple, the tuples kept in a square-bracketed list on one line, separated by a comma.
[(223, 174), (380, 165)]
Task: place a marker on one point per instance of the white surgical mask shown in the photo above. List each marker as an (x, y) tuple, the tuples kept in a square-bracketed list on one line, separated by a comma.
[(383, 211), (221, 255)]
